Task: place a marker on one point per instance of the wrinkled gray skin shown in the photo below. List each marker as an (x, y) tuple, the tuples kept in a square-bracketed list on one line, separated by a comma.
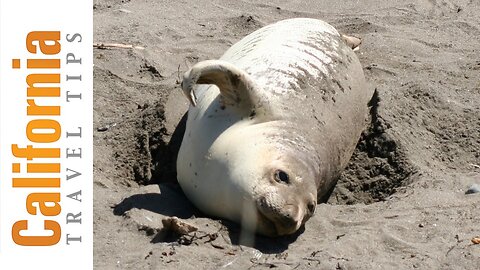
[(271, 125)]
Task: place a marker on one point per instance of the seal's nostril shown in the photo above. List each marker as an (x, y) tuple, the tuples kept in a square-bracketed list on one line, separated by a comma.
[(311, 207)]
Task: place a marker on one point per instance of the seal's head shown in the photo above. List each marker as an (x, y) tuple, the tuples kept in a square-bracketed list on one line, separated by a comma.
[(285, 195), (272, 177)]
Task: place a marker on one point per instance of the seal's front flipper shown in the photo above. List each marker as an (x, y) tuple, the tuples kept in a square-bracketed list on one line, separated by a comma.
[(237, 89), (352, 42)]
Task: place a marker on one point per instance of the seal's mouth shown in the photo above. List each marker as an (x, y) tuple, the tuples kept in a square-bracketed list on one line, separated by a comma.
[(265, 226)]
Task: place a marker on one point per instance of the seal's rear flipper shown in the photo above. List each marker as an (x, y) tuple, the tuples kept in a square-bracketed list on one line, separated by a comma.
[(237, 89), (352, 42)]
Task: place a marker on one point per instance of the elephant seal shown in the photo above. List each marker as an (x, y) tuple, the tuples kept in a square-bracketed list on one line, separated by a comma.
[(271, 125)]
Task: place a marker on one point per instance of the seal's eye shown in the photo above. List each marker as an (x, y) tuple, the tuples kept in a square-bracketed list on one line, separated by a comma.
[(281, 176)]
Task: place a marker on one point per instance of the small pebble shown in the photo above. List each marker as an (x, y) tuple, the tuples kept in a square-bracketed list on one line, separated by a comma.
[(107, 127), (476, 240), (124, 10), (178, 226), (475, 188)]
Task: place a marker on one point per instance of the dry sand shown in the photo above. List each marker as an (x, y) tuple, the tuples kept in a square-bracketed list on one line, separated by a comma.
[(400, 204)]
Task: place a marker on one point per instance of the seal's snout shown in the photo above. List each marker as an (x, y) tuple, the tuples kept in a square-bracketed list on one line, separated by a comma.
[(286, 217), (289, 219), (286, 222)]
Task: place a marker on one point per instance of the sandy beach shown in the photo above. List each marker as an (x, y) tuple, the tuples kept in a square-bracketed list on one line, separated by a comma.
[(400, 203)]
